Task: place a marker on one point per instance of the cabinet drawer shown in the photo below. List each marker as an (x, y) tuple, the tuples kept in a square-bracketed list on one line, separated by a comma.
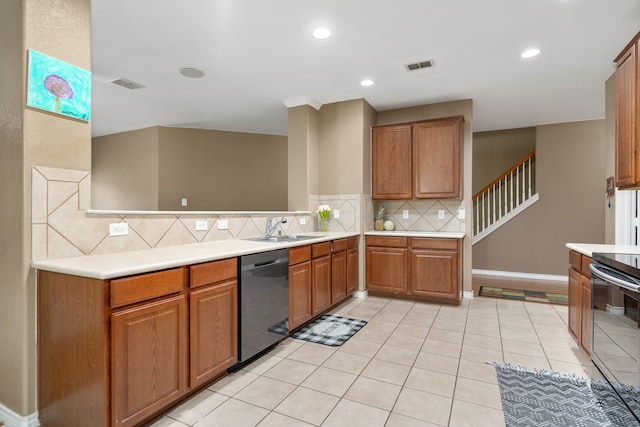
[(320, 249), (147, 286), (429, 243), (586, 271), (575, 259), (399, 242), (299, 254), (212, 272), (340, 245), (352, 242)]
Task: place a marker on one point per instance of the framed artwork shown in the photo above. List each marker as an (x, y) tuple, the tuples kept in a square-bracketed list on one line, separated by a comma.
[(58, 87)]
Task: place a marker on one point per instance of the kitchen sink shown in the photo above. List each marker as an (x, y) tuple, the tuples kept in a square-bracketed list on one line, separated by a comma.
[(285, 238)]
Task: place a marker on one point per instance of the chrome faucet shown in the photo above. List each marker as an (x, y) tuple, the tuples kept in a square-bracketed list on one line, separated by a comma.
[(271, 228)]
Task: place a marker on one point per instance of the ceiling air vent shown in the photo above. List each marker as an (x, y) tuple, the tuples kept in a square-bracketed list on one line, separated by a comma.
[(419, 65), (127, 83)]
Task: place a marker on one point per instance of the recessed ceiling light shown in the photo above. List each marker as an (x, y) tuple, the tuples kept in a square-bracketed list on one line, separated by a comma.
[(192, 73), (530, 53), (366, 82), (321, 33)]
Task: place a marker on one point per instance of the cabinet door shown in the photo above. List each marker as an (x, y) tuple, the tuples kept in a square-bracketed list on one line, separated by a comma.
[(387, 269), (338, 276), (299, 294), (352, 270), (436, 158), (391, 162), (321, 284), (213, 330), (585, 319), (627, 115), (574, 292), (149, 365), (434, 274)]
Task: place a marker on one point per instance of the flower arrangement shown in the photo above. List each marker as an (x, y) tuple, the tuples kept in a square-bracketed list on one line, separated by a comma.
[(324, 212)]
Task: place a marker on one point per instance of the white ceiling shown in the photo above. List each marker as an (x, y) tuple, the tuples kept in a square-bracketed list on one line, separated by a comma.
[(257, 54)]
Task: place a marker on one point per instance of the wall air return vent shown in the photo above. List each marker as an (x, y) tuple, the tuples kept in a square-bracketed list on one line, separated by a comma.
[(419, 65), (128, 84)]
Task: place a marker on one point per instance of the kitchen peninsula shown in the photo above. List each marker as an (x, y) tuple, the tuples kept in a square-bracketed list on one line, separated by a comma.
[(122, 336)]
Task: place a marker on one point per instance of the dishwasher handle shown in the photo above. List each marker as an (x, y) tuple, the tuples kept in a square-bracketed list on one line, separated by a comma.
[(259, 265)]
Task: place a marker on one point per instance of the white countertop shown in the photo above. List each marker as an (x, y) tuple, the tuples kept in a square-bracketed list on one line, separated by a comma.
[(589, 249), (405, 233), (109, 266)]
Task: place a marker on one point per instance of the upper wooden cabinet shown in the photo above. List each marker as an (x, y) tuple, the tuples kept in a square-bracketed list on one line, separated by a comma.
[(420, 160), (628, 116), (390, 162)]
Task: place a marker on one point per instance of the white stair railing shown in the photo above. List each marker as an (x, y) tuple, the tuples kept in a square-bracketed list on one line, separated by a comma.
[(504, 196)]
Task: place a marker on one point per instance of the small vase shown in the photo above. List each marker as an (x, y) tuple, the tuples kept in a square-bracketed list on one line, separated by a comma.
[(324, 224), (379, 225)]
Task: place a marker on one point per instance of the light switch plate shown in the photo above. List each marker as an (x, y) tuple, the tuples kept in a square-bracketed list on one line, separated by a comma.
[(201, 225), (119, 229), (461, 214), (223, 224), (336, 213), (441, 214), (405, 214), (184, 202), (303, 221)]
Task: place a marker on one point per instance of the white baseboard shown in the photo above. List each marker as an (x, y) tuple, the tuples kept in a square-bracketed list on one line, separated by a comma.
[(467, 294), (11, 419), (518, 275), (361, 294)]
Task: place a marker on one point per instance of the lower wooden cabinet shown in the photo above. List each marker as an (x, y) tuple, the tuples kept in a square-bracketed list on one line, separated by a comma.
[(425, 268), (435, 269), (580, 300), (320, 276), (320, 284), (299, 286), (213, 331), (353, 267), (118, 352), (149, 359)]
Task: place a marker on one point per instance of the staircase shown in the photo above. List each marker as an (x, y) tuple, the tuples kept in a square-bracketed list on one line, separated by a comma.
[(504, 198)]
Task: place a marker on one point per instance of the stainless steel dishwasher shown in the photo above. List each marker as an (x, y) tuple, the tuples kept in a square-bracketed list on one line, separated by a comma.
[(264, 302)]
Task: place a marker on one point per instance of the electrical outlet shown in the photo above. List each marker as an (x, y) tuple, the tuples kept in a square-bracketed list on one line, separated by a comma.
[(405, 214), (119, 229), (223, 224), (461, 214), (303, 221), (336, 213), (441, 214), (201, 225), (184, 202)]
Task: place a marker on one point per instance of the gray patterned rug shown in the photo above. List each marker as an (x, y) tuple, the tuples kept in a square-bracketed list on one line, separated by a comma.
[(547, 398)]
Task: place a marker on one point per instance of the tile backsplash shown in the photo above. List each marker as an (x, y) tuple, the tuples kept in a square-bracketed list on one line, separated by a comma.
[(423, 215), (61, 226)]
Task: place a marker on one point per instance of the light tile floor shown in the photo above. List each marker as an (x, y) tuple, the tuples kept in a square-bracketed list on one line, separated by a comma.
[(413, 364)]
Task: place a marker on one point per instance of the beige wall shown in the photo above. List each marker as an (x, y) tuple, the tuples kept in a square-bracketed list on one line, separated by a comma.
[(447, 109), (302, 146), (341, 147), (495, 152), (570, 181), (31, 137), (155, 168), (218, 170), (124, 170)]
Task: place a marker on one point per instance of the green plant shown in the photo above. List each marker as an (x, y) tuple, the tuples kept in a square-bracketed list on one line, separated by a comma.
[(380, 213)]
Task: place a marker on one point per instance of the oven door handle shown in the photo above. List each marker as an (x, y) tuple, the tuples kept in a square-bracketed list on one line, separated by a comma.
[(612, 279)]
